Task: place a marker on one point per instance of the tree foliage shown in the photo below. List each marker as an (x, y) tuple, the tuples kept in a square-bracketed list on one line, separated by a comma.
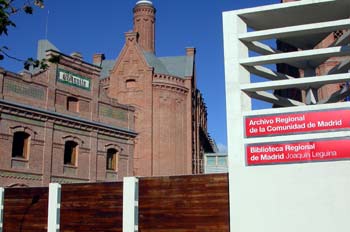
[(9, 8)]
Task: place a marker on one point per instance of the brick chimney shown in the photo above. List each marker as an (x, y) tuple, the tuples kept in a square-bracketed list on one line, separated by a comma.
[(131, 37), (190, 51), (144, 24), (98, 58)]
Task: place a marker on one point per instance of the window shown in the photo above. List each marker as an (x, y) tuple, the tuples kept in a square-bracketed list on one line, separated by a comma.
[(20, 145), (112, 159), (222, 160), (70, 153), (72, 104), (131, 83), (337, 34), (211, 160)]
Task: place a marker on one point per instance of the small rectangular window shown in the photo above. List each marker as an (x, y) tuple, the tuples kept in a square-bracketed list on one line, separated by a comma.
[(112, 160), (70, 153), (20, 145), (222, 161), (72, 104), (211, 160)]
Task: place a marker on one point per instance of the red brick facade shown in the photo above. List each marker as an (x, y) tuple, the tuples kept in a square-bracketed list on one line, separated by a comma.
[(37, 105), (170, 115), (74, 115)]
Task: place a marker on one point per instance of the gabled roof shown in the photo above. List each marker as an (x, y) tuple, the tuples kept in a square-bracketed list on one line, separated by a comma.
[(179, 66), (154, 62), (107, 65)]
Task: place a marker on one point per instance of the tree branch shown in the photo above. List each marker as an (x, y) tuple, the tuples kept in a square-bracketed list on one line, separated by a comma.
[(11, 57)]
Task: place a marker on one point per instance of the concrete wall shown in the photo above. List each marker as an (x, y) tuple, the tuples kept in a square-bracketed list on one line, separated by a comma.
[(299, 196)]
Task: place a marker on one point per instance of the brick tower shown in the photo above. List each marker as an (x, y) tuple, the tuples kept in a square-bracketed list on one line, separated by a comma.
[(144, 19), (170, 114)]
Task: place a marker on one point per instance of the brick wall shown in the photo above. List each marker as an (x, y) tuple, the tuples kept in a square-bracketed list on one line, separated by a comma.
[(38, 104)]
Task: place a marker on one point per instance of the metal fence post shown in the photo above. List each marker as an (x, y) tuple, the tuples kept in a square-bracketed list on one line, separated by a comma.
[(130, 204), (53, 219)]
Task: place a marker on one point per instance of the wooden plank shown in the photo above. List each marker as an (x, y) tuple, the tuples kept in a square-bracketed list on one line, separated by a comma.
[(92, 207), (25, 209), (184, 203)]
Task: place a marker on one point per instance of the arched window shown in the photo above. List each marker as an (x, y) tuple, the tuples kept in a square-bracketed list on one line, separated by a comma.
[(130, 83), (20, 145), (112, 159), (72, 104), (17, 185), (70, 153)]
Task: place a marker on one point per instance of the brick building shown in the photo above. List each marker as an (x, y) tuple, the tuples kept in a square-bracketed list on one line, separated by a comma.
[(170, 114), (79, 122), (58, 125), (327, 93)]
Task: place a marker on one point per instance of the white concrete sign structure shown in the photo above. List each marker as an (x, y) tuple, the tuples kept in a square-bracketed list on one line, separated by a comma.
[(286, 196), (130, 204), (2, 192), (54, 208)]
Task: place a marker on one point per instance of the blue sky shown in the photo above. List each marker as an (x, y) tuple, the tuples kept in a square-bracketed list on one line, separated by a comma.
[(98, 27)]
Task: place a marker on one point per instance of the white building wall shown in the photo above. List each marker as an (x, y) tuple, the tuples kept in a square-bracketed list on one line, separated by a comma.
[(288, 197)]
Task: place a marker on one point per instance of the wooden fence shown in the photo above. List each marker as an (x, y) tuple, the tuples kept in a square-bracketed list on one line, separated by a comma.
[(180, 203), (25, 209), (92, 207), (190, 203)]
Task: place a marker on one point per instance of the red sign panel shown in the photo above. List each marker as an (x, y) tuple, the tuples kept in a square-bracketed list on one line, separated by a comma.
[(300, 152), (293, 123)]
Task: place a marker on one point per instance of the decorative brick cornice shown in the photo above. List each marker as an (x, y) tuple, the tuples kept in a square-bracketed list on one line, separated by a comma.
[(76, 64), (61, 119), (170, 83), (170, 87), (142, 10), (163, 77), (20, 176), (67, 180)]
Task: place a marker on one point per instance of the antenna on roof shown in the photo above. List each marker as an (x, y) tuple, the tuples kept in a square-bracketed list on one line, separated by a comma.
[(47, 24)]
